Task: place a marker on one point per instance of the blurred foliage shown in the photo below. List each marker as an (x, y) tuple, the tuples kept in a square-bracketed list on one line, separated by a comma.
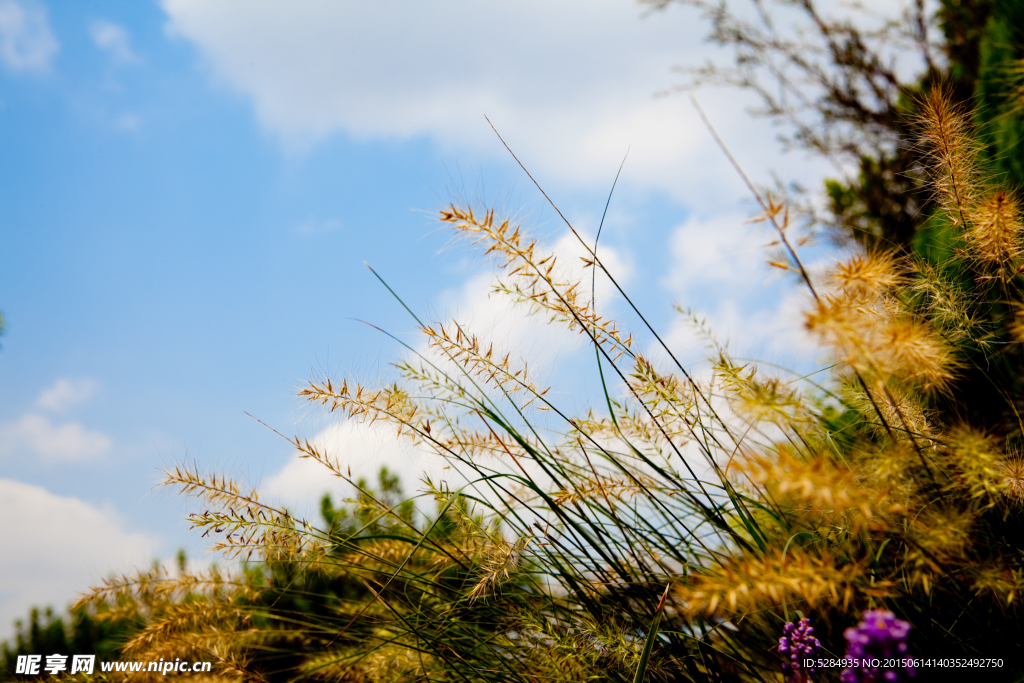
[(834, 78), (79, 631)]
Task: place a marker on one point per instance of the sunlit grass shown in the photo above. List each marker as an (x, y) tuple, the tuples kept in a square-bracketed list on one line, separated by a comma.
[(756, 498)]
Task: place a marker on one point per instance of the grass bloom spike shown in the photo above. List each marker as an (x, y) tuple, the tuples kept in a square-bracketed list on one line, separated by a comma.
[(996, 231), (535, 278), (1013, 479), (869, 275), (950, 153)]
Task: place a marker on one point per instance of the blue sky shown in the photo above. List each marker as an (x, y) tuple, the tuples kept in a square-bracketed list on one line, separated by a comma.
[(189, 190)]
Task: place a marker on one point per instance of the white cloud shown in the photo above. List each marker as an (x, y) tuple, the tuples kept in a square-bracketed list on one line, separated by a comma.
[(725, 253), (569, 84), (113, 39), (65, 393), (361, 448), (56, 547), (26, 41), (38, 435), (719, 268), (34, 434), (771, 333)]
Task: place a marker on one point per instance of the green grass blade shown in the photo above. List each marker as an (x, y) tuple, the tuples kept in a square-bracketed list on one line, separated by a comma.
[(652, 635)]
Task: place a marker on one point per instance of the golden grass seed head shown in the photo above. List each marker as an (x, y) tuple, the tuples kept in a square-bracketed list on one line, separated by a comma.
[(868, 275), (994, 235), (1012, 478), (950, 153), (976, 464), (746, 584)]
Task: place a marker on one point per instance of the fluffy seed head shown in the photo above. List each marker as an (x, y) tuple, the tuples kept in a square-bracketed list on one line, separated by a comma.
[(995, 231), (868, 275), (1012, 472), (949, 153)]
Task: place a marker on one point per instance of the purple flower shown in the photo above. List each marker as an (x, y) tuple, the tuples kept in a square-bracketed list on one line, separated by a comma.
[(879, 637), (798, 644)]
